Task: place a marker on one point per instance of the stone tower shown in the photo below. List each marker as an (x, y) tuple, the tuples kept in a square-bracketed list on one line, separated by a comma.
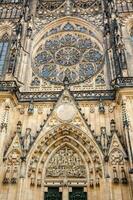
[(66, 99)]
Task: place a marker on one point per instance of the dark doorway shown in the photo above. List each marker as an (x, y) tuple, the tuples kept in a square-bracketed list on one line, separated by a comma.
[(53, 194), (77, 194)]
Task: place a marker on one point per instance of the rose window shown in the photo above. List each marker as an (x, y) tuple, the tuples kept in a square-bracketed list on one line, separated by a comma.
[(67, 56), (73, 55)]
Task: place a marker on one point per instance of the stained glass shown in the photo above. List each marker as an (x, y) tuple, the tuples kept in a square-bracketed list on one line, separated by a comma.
[(3, 52), (68, 54)]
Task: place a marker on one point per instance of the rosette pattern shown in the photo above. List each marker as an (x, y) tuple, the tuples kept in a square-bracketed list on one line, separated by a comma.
[(73, 55)]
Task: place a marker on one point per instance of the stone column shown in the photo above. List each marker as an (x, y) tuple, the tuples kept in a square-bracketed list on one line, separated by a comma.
[(65, 193), (3, 127), (129, 128), (2, 140)]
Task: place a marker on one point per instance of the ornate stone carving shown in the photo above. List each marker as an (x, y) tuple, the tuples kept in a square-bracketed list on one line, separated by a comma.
[(88, 10), (84, 3), (26, 140), (101, 106), (66, 162), (68, 55), (13, 167), (35, 82), (31, 108), (51, 5), (117, 157), (104, 140), (66, 112), (6, 178)]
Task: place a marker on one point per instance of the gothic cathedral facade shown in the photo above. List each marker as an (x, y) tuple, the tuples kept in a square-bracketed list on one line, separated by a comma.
[(66, 99)]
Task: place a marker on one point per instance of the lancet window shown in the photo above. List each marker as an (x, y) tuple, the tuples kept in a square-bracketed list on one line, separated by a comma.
[(4, 44)]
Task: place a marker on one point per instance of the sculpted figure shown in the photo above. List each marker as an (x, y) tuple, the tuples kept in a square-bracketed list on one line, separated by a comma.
[(6, 179), (27, 139), (14, 176)]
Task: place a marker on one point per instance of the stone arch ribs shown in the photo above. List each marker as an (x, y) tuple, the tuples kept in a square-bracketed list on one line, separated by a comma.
[(68, 135)]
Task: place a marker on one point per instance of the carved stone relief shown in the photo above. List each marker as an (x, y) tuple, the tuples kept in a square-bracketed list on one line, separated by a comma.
[(66, 163), (87, 10), (117, 157), (12, 168)]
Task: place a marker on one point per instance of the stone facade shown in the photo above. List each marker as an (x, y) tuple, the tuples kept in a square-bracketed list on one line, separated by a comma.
[(66, 100)]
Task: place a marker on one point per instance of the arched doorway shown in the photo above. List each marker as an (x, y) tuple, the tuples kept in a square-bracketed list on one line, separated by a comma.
[(64, 162)]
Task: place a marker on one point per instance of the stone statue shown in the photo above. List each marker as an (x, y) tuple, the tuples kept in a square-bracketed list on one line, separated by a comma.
[(27, 139), (14, 176), (101, 106), (6, 179), (31, 108)]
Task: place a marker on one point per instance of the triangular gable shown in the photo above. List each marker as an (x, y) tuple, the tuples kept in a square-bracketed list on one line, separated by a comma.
[(15, 145), (66, 111), (116, 144)]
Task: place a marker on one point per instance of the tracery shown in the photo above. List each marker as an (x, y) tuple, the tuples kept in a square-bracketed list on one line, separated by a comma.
[(51, 4), (67, 53)]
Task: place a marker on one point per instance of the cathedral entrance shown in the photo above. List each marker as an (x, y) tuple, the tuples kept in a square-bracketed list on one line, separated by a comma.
[(65, 169), (53, 194), (77, 194)]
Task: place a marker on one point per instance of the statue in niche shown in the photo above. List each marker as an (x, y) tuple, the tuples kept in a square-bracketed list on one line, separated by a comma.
[(104, 139), (14, 175), (101, 106), (6, 179), (115, 176), (39, 179), (31, 108), (19, 127), (32, 183), (124, 179), (112, 126), (27, 139)]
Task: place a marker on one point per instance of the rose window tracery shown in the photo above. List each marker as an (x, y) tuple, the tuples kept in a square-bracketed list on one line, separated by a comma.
[(67, 56), (70, 54)]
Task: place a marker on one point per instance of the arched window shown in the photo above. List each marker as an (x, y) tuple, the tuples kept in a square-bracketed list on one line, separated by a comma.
[(4, 44)]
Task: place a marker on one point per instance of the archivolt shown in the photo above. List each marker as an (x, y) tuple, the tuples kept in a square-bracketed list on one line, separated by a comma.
[(6, 28), (46, 147)]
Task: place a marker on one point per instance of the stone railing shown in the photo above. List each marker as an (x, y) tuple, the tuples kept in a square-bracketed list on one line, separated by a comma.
[(121, 82), (10, 9), (89, 95), (11, 86), (125, 6)]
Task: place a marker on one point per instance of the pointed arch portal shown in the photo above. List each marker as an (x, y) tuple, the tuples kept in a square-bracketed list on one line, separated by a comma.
[(65, 155)]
